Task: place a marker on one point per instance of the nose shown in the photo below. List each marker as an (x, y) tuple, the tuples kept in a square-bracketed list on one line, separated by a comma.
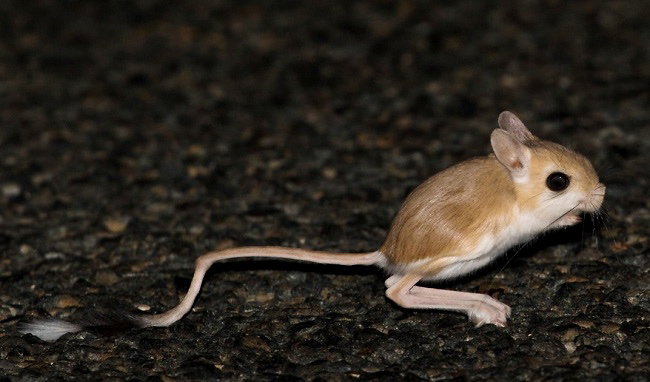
[(597, 196)]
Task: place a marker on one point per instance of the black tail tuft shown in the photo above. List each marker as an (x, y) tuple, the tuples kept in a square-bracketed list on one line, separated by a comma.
[(110, 321)]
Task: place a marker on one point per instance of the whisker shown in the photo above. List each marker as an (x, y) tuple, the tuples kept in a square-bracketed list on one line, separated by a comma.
[(552, 197), (610, 172), (561, 216), (582, 239), (594, 219), (528, 243), (606, 168), (604, 216), (521, 246), (532, 197)]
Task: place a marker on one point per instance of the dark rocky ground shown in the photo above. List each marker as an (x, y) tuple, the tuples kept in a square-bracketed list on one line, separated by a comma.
[(135, 136)]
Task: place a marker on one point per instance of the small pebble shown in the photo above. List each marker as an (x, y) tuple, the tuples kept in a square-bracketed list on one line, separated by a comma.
[(116, 224), (11, 190), (54, 256), (66, 301), (106, 277)]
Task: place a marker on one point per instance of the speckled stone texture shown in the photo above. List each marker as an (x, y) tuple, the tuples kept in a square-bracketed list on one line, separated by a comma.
[(136, 135)]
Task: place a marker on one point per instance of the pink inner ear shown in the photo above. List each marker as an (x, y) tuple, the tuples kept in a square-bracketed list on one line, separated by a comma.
[(509, 151), (511, 123)]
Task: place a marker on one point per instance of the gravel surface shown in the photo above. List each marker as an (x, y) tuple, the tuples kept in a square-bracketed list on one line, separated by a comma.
[(136, 135)]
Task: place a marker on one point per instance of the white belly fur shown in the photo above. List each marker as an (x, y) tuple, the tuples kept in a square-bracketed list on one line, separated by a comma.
[(488, 248)]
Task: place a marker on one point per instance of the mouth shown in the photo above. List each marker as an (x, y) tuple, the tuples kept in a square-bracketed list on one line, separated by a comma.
[(571, 219)]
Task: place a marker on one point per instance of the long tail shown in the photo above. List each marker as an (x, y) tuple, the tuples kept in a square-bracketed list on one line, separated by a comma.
[(52, 329)]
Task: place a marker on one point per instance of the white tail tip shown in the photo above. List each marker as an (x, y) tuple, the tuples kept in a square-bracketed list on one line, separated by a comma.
[(49, 329)]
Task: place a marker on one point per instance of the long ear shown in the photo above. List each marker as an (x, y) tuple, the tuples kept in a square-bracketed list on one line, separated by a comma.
[(510, 123), (513, 154)]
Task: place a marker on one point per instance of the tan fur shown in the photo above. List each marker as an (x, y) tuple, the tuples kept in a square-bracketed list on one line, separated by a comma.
[(455, 222), (443, 216), (447, 216), (547, 155)]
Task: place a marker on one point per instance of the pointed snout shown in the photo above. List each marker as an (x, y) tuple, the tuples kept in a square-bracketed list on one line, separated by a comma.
[(594, 200)]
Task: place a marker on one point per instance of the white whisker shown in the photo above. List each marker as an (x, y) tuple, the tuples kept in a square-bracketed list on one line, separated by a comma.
[(561, 216), (532, 197)]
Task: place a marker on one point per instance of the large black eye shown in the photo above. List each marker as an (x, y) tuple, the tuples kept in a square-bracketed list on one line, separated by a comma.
[(557, 181)]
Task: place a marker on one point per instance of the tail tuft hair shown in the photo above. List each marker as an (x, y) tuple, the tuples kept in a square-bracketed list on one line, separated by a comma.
[(105, 322), (49, 329)]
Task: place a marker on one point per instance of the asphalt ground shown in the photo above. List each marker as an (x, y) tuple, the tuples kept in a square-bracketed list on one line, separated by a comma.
[(137, 135)]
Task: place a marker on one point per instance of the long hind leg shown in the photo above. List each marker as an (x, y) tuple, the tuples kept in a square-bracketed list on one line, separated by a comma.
[(480, 308)]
